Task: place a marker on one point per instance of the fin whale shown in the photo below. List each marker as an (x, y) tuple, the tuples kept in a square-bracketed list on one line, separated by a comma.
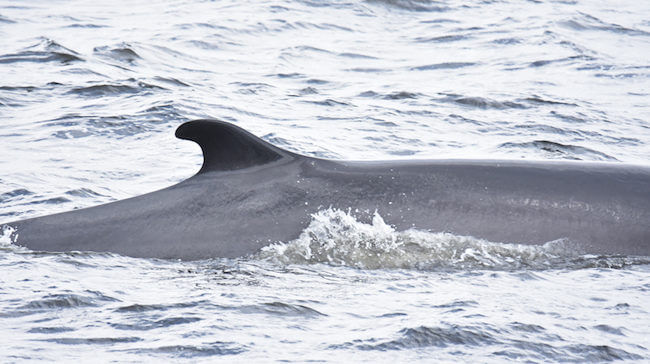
[(249, 193)]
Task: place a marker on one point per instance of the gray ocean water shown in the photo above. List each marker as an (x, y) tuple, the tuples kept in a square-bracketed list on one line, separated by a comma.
[(90, 95)]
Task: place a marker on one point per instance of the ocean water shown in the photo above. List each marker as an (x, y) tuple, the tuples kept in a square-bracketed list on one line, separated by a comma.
[(90, 95)]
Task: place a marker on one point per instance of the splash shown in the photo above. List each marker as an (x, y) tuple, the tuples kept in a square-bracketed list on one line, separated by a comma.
[(336, 237), (8, 238), (8, 235)]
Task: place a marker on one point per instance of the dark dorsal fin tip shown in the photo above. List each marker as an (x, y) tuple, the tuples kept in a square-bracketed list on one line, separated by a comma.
[(227, 147)]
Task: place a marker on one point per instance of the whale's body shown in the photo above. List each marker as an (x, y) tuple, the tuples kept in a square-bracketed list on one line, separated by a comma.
[(249, 194)]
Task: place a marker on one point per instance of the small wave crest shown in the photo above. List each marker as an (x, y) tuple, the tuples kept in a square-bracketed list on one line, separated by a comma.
[(46, 50), (559, 150), (411, 5), (336, 237)]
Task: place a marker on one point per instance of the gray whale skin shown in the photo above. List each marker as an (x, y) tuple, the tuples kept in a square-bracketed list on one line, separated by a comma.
[(250, 193)]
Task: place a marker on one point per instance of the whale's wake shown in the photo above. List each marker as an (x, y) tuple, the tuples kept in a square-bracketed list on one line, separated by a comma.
[(336, 237)]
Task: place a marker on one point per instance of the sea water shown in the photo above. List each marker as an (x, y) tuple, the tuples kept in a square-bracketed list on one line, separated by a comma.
[(90, 95)]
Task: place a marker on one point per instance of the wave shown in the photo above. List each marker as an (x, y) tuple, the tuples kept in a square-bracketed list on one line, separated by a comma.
[(488, 337), (122, 53), (190, 351), (46, 50), (443, 66), (412, 5)]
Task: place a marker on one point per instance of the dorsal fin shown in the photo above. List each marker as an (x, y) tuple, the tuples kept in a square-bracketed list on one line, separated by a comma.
[(227, 147)]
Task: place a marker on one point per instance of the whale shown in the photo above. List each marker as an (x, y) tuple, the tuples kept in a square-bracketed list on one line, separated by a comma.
[(249, 193)]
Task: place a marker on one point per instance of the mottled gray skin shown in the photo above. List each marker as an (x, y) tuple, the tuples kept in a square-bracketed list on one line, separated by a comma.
[(249, 194)]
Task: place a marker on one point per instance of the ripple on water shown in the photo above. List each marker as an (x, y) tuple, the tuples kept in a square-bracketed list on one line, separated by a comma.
[(15, 194), (411, 5), (609, 329), (528, 328), (4, 19), (485, 336), (122, 53), (424, 336), (442, 38), (74, 126), (565, 151), (143, 324), (93, 340), (217, 348), (158, 307), (443, 66), (50, 330), (104, 90), (543, 101), (58, 302), (483, 103), (46, 50), (67, 301), (585, 22), (280, 309)]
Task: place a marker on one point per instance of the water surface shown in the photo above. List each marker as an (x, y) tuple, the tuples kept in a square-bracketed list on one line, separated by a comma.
[(90, 95)]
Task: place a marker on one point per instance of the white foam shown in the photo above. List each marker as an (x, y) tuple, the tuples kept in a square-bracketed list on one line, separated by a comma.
[(336, 237), (8, 235)]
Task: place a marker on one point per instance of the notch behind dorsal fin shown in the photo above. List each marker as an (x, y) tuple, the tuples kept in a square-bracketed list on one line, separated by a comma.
[(227, 147)]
